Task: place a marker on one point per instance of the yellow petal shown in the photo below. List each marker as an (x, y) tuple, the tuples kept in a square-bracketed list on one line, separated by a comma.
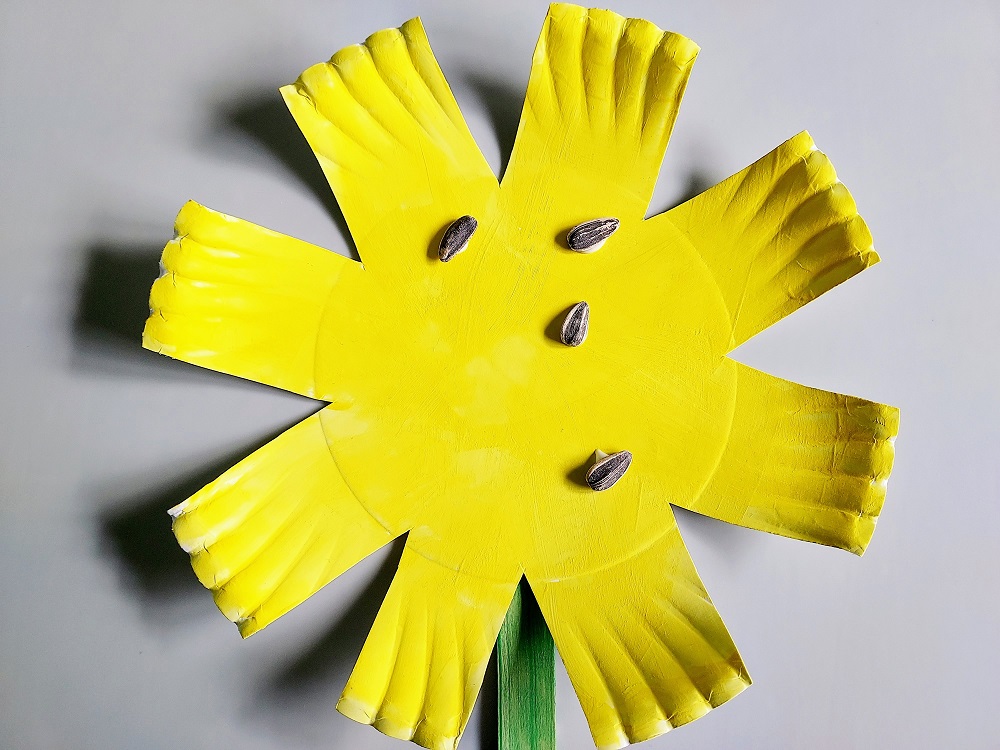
[(390, 138), (602, 98), (803, 463), (643, 643), (276, 528), (243, 300), (776, 235), (423, 663)]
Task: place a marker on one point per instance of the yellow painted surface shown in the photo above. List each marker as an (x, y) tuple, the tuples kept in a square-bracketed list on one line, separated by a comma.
[(457, 416)]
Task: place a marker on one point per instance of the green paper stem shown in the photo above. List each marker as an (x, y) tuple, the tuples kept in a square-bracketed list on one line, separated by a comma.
[(526, 677)]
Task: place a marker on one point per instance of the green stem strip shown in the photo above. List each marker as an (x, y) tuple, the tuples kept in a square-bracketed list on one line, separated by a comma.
[(526, 677)]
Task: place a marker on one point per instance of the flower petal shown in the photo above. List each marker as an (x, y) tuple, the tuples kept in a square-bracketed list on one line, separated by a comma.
[(423, 663), (776, 235), (392, 142), (276, 528), (802, 462), (642, 642), (243, 300), (602, 98)]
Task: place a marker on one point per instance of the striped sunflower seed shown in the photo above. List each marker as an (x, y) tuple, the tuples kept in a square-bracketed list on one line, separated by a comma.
[(589, 236), (456, 237), (608, 470), (574, 328)]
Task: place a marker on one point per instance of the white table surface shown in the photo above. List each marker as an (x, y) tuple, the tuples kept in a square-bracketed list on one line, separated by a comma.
[(113, 114)]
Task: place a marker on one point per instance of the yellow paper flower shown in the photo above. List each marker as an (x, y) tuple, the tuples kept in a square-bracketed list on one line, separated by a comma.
[(457, 416)]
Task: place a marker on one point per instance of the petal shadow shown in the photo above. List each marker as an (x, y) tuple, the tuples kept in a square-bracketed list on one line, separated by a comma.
[(111, 310), (140, 544), (263, 117), (503, 101), (319, 664), (697, 182), (488, 706)]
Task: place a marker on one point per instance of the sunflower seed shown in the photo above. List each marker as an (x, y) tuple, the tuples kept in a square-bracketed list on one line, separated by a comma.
[(456, 237), (608, 470), (574, 328), (589, 236)]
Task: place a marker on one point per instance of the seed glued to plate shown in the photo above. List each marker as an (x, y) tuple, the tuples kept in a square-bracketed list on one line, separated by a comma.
[(608, 470), (456, 237), (574, 328), (589, 236)]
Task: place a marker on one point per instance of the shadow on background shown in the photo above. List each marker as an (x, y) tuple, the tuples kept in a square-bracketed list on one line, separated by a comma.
[(113, 303), (111, 310), (488, 705), (697, 182), (151, 564), (263, 117), (114, 296), (503, 101), (322, 663)]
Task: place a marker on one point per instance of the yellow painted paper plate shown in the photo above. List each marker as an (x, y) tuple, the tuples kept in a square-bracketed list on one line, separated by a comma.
[(457, 416)]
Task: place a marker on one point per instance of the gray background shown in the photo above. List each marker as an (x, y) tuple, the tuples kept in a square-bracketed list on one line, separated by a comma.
[(113, 114)]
